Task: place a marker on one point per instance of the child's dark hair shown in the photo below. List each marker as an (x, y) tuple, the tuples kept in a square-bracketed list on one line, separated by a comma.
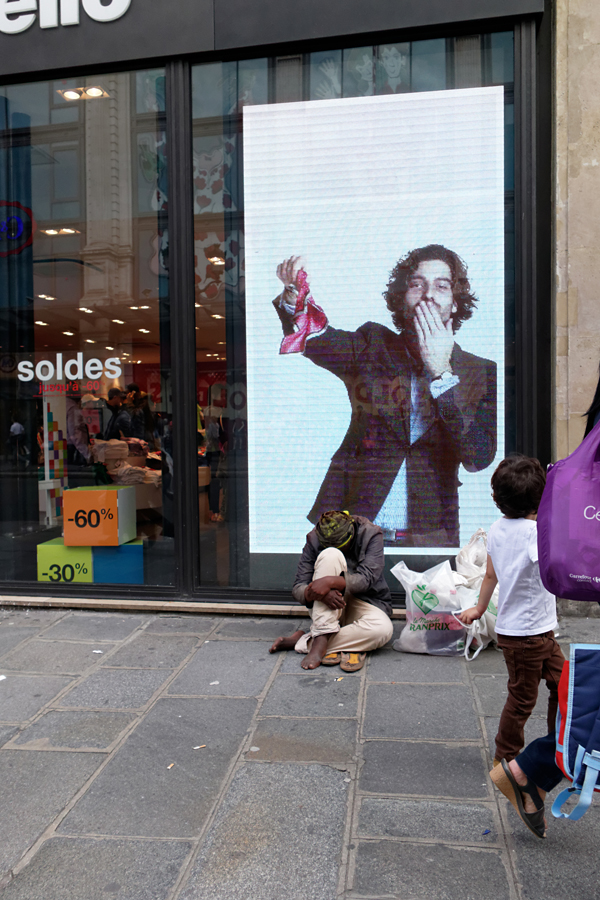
[(517, 485)]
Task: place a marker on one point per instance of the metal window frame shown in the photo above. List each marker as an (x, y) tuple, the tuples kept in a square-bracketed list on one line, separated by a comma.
[(533, 317)]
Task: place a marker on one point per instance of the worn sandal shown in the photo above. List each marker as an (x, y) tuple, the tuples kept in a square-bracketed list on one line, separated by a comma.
[(332, 659), (504, 780), (352, 662)]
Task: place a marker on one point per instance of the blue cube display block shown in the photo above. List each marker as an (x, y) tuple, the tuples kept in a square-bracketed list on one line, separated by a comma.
[(119, 565)]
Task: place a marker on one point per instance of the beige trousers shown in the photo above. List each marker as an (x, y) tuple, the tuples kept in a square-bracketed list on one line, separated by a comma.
[(358, 627)]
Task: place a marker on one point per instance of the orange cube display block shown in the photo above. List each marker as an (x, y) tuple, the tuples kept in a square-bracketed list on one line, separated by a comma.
[(99, 516)]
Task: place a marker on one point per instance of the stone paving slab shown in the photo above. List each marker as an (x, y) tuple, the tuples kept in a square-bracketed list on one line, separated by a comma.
[(152, 651), (566, 864), (420, 712), (22, 696), (316, 694), (116, 689), (138, 794), (240, 668), (489, 662), (35, 788), (265, 628), (10, 637), (53, 657), (535, 727), (389, 665), (66, 869), (305, 740), (277, 834), (74, 730), (30, 617), (429, 872), (437, 770), (492, 695), (95, 626), (6, 733), (182, 624), (431, 820)]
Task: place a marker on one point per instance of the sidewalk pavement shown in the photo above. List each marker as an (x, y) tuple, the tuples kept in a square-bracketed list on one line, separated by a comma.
[(171, 757)]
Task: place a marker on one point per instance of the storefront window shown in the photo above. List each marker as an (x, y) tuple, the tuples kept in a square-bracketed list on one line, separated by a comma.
[(359, 160), (85, 359)]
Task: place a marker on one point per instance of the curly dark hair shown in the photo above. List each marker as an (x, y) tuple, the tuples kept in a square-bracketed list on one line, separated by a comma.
[(518, 484), (405, 268)]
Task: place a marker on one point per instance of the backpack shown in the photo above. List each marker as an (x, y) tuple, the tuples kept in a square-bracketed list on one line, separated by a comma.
[(578, 728), (568, 524)]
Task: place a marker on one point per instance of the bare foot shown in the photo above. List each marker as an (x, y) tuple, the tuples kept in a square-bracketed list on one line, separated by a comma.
[(521, 778), (286, 643), (316, 652)]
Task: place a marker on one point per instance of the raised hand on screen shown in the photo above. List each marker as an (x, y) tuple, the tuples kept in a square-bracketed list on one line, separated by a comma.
[(288, 272), (436, 338)]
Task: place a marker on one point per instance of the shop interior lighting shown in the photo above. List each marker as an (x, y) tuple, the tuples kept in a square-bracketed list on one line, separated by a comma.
[(68, 333), (221, 343), (93, 92), (109, 348), (39, 322), (144, 330), (144, 307), (119, 321), (134, 307), (89, 341), (55, 231), (85, 309), (216, 260), (216, 316)]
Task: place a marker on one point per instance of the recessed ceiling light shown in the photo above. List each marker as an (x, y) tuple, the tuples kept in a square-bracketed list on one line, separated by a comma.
[(197, 305), (215, 316), (144, 307), (119, 321), (39, 322), (220, 342), (48, 297), (89, 341), (49, 231), (69, 333), (42, 296), (144, 330), (216, 260), (71, 95), (94, 92), (139, 362), (134, 307), (109, 348), (85, 309)]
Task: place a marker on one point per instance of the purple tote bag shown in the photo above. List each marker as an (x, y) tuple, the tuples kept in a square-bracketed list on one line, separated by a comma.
[(568, 524)]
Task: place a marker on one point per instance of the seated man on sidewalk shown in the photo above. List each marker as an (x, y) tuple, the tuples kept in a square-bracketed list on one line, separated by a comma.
[(340, 579)]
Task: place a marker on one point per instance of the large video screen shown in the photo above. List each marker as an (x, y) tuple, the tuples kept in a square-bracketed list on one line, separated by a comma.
[(375, 315)]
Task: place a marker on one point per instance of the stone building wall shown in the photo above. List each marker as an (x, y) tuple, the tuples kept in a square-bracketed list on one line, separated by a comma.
[(577, 216)]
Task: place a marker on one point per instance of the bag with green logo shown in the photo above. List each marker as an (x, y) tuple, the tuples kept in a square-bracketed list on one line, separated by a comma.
[(431, 600)]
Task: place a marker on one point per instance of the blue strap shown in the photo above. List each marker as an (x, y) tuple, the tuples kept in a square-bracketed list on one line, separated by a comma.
[(578, 761), (585, 793)]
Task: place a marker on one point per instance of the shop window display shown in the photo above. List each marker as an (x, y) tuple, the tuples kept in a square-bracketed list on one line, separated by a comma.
[(261, 466), (85, 360)]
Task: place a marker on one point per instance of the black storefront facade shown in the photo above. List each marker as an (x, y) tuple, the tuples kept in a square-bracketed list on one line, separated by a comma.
[(151, 159)]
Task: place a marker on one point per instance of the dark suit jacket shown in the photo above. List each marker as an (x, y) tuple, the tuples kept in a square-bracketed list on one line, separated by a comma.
[(460, 427)]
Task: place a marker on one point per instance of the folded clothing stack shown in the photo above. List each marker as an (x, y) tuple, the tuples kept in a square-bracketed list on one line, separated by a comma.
[(137, 447), (123, 473), (152, 477), (110, 450)]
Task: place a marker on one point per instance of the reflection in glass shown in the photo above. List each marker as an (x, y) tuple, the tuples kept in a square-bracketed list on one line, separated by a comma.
[(84, 329)]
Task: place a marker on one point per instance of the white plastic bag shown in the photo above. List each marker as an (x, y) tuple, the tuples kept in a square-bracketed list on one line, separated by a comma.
[(431, 600), (471, 562)]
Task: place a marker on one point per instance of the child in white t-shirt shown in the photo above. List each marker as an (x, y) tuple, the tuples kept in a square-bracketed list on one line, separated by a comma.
[(526, 610)]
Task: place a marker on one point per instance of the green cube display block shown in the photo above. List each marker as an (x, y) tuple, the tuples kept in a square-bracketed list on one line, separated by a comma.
[(59, 564)]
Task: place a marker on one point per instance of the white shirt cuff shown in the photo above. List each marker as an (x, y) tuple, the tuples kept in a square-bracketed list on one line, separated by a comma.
[(443, 384)]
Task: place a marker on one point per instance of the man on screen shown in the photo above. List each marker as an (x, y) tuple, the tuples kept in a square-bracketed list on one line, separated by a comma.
[(421, 405)]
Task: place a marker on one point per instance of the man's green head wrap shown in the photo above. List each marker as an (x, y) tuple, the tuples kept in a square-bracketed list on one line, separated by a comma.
[(335, 529)]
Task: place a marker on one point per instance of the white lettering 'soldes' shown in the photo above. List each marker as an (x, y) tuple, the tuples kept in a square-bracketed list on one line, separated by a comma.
[(72, 369), (53, 13)]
